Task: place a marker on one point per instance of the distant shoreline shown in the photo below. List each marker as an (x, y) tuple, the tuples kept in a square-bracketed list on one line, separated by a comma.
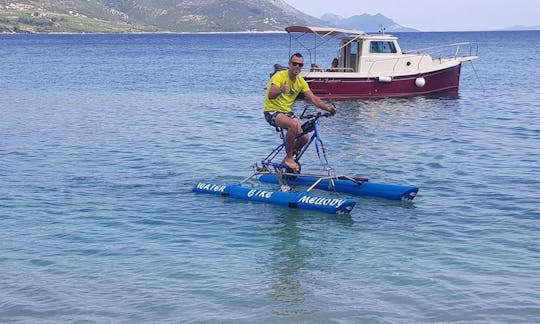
[(240, 32), (150, 33)]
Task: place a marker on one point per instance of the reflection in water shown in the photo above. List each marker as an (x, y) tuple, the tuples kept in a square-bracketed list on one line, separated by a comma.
[(294, 258), (289, 257)]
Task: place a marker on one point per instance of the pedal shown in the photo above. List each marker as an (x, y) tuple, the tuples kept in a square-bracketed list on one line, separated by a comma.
[(281, 167)]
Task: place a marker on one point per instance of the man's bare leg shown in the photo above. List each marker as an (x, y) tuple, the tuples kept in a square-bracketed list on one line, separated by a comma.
[(292, 125)]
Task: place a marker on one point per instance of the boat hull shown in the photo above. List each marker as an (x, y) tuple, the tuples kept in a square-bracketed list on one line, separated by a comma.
[(443, 82), (356, 188), (302, 200)]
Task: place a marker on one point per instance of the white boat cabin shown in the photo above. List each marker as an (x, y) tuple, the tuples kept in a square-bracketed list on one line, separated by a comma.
[(371, 55), (378, 56)]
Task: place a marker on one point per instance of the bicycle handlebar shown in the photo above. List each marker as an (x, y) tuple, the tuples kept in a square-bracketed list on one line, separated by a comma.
[(309, 125), (316, 116)]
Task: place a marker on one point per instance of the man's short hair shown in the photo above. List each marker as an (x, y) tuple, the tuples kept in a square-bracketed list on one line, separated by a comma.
[(297, 55)]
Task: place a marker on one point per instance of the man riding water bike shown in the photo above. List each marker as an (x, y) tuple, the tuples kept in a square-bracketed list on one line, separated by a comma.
[(281, 92)]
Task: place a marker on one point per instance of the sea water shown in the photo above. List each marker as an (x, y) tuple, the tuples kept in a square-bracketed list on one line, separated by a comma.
[(102, 138)]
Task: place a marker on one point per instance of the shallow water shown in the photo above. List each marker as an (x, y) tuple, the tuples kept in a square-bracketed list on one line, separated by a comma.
[(102, 138)]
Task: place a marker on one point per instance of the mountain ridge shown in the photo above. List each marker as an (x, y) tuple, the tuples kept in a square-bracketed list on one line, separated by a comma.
[(366, 22), (177, 16)]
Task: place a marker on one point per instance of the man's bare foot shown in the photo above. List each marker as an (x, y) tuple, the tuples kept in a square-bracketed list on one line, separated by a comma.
[(291, 164)]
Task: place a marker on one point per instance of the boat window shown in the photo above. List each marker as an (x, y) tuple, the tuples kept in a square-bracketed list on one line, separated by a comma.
[(348, 56), (382, 47), (354, 48)]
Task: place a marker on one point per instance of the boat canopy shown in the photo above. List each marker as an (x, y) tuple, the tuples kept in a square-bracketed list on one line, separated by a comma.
[(323, 35), (322, 31)]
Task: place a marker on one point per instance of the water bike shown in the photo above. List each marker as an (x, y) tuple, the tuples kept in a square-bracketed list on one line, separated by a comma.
[(278, 173)]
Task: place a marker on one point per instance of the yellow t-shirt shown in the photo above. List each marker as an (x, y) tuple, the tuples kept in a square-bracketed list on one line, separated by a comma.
[(283, 102)]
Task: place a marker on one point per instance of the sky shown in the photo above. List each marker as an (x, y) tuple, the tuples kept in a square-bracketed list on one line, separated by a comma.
[(433, 15)]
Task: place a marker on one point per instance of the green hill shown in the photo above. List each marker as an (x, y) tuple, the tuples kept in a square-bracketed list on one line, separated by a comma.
[(122, 16), (177, 16)]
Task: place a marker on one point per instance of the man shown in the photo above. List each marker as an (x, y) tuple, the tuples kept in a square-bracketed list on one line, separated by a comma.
[(282, 90)]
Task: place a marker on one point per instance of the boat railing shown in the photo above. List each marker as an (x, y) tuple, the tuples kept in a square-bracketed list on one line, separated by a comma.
[(454, 50), (448, 52)]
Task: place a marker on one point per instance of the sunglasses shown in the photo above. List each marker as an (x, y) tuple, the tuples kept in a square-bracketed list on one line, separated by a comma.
[(297, 64)]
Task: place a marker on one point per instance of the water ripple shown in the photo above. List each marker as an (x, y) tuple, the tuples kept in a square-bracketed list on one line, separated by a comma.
[(103, 136)]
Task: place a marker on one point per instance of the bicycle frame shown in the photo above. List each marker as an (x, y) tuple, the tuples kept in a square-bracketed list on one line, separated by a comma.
[(309, 126)]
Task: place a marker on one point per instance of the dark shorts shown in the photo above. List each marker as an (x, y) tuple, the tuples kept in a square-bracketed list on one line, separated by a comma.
[(270, 116)]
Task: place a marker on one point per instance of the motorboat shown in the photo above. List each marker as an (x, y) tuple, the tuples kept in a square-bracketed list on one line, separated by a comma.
[(373, 66)]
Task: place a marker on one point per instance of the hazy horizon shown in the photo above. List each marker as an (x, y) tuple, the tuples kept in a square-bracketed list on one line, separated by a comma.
[(458, 15)]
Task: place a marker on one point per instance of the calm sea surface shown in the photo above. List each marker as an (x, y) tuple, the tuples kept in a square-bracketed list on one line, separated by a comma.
[(102, 138)]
